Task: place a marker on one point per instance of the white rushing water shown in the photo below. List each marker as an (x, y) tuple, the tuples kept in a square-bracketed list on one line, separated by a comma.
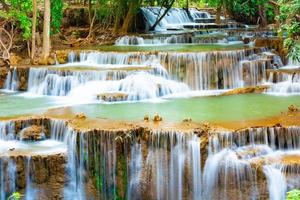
[(276, 182), (173, 20), (10, 164), (140, 76), (233, 155), (167, 168), (12, 80), (182, 39), (286, 82), (168, 164)]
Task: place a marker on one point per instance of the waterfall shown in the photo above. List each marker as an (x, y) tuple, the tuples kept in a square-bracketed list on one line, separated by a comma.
[(275, 137), (285, 88), (135, 173), (7, 177), (30, 192), (200, 71), (139, 81), (161, 40), (174, 19), (129, 40), (235, 159), (109, 73), (203, 37), (196, 14), (284, 82), (12, 80), (276, 183), (166, 159), (23, 164), (7, 131), (60, 83), (164, 164)]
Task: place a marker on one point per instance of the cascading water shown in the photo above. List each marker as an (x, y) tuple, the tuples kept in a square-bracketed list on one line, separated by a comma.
[(12, 80), (129, 40), (285, 82), (276, 182), (140, 76), (201, 71), (144, 76), (173, 20), (22, 165), (105, 164), (169, 156), (235, 159)]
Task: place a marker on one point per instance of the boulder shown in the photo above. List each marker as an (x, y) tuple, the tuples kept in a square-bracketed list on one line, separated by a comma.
[(157, 118), (31, 133)]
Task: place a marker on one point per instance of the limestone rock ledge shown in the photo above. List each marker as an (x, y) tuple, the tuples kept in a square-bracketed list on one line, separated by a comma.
[(43, 173)]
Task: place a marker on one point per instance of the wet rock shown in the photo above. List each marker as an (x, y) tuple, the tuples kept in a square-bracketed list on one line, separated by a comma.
[(246, 40), (3, 74), (81, 116), (293, 108), (112, 97), (246, 90), (32, 133), (146, 118), (47, 174), (157, 118), (62, 56), (272, 43), (187, 120)]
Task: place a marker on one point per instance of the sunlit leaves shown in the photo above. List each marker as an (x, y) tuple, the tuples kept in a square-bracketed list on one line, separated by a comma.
[(19, 12), (289, 19), (293, 195)]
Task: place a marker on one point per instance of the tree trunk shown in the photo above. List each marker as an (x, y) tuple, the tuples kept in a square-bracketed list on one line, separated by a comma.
[(46, 31), (116, 24), (90, 11), (218, 15), (161, 17), (262, 15), (33, 30), (134, 4)]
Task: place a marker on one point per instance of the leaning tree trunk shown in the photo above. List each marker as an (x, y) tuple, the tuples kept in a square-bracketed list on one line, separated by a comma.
[(33, 30), (163, 15), (46, 31)]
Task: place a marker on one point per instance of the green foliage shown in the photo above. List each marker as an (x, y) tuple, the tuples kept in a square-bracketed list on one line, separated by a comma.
[(15, 196), (290, 25), (19, 12), (293, 195), (56, 15), (244, 10)]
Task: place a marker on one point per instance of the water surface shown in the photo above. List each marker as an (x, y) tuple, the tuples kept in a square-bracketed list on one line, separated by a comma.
[(213, 108)]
